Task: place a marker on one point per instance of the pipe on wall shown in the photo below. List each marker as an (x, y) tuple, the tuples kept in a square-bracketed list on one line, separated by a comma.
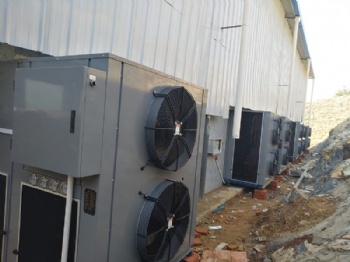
[(310, 107), (67, 217), (306, 84), (242, 68), (295, 38)]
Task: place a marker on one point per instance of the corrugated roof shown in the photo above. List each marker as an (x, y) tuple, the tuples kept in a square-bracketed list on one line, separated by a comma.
[(292, 10)]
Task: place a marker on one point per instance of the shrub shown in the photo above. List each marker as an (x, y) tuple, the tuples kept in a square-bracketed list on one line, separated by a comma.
[(343, 92)]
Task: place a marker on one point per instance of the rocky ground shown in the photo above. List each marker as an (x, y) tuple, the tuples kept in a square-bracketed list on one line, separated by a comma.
[(325, 115), (309, 221)]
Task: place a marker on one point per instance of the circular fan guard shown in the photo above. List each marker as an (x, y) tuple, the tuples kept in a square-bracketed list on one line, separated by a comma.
[(163, 221), (171, 127)]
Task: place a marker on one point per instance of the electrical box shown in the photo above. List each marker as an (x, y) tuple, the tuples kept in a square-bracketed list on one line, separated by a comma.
[(214, 146), (61, 110)]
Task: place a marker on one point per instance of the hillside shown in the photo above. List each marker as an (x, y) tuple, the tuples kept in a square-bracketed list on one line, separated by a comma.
[(327, 114)]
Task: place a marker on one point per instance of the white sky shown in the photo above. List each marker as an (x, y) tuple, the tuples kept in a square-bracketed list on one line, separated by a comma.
[(327, 28)]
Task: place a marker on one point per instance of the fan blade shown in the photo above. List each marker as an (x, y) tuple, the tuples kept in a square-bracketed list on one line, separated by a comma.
[(177, 234), (181, 203), (171, 106), (167, 98), (158, 231), (162, 247), (189, 113), (182, 101), (160, 128), (192, 130), (186, 146), (180, 218), (174, 199), (166, 153)]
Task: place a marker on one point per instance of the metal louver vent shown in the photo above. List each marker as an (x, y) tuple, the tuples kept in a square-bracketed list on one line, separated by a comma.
[(276, 132), (171, 127), (163, 221), (274, 156)]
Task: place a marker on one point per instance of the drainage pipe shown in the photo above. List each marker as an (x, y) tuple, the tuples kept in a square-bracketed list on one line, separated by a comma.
[(242, 69), (66, 228), (310, 107), (295, 38), (306, 84)]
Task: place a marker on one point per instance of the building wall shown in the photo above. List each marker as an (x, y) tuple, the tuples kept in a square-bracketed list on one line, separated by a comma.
[(270, 55), (185, 39)]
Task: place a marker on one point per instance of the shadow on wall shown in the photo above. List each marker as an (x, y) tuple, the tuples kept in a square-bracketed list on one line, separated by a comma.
[(9, 52)]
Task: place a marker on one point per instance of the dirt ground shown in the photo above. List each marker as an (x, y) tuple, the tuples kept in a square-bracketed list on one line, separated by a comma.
[(255, 225)]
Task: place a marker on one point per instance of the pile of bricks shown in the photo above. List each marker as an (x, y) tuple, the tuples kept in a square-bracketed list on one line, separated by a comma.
[(260, 194), (228, 255), (224, 256)]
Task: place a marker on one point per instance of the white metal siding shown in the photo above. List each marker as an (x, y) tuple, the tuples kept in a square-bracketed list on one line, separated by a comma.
[(179, 37), (269, 65)]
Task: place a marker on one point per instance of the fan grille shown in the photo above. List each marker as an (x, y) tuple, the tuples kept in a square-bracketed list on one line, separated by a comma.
[(163, 221), (171, 128)]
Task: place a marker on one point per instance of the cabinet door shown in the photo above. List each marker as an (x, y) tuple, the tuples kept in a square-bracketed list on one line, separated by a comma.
[(53, 119)]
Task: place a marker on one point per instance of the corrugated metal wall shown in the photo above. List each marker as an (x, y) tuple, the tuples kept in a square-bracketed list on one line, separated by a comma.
[(269, 65), (179, 37)]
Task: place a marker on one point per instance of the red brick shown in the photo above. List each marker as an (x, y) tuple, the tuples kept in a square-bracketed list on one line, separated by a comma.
[(232, 247), (201, 230), (258, 213), (284, 173), (279, 178), (239, 256), (197, 235), (273, 185), (296, 161), (193, 257), (260, 194), (197, 242), (208, 256), (223, 256)]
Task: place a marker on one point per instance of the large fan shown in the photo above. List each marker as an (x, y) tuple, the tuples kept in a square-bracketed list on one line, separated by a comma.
[(171, 127), (163, 221)]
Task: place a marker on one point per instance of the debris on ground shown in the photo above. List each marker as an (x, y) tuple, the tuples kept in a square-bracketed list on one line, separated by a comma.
[(304, 216)]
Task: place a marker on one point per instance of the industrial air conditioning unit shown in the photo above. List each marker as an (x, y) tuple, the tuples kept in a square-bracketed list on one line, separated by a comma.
[(7, 71), (307, 137), (131, 138), (306, 141), (284, 143), (256, 151), (294, 145)]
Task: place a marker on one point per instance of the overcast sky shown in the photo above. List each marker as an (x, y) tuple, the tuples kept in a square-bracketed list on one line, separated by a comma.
[(327, 28)]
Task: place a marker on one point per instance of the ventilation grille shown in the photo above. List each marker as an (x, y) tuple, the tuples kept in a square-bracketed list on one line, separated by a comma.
[(276, 131), (163, 221), (171, 128), (274, 156)]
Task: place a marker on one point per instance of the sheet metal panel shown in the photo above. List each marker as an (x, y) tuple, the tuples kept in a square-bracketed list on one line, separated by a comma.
[(270, 53), (182, 38)]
